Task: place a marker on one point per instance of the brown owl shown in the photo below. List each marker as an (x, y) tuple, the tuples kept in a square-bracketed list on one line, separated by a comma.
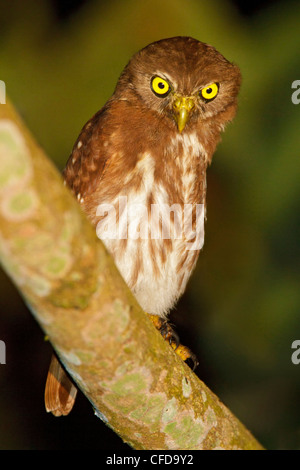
[(138, 170)]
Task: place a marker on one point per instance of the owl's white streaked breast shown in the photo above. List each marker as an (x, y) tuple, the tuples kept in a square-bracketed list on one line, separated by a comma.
[(150, 266)]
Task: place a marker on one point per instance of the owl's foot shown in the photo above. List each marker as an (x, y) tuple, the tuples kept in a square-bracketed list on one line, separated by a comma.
[(171, 336)]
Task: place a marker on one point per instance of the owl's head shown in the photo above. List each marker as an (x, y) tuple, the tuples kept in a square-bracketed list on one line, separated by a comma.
[(182, 78)]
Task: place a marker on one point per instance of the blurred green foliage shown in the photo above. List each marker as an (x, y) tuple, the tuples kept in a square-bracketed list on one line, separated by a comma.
[(241, 311)]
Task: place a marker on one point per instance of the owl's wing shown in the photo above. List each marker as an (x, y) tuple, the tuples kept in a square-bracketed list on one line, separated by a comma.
[(88, 159)]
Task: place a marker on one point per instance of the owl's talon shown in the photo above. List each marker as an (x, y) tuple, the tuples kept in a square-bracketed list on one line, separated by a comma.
[(187, 355), (194, 360), (169, 334), (172, 337)]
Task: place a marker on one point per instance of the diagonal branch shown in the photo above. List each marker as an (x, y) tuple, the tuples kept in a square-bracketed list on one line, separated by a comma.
[(134, 380)]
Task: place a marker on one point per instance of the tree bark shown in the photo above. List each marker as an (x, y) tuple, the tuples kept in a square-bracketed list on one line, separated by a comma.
[(135, 382)]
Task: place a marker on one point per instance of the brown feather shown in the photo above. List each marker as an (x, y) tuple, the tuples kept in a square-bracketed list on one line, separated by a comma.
[(60, 392)]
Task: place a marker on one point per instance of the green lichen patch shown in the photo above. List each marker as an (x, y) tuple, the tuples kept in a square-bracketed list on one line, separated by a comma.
[(129, 384), (150, 409), (185, 432), (15, 167), (19, 205), (129, 393), (57, 265), (170, 411)]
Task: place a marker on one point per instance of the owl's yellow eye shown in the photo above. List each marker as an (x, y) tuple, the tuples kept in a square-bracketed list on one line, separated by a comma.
[(210, 91), (160, 87)]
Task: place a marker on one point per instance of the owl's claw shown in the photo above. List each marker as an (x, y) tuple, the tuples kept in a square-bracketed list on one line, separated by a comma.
[(169, 335), (187, 355), (172, 337)]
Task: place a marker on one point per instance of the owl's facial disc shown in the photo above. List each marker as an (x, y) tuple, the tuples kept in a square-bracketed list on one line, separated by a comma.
[(182, 107)]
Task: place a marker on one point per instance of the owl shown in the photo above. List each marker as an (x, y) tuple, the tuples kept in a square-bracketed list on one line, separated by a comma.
[(138, 170)]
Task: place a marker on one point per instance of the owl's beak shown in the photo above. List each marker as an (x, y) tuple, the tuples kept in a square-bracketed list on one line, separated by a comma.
[(182, 106)]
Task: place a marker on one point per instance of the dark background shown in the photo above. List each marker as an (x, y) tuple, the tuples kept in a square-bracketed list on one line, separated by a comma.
[(60, 61)]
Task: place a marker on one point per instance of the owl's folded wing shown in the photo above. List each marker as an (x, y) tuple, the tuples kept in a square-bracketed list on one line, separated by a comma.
[(88, 159)]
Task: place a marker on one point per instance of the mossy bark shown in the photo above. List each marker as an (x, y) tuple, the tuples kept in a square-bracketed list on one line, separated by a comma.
[(135, 382)]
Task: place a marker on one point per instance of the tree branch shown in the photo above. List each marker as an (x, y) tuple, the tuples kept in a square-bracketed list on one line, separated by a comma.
[(136, 383)]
